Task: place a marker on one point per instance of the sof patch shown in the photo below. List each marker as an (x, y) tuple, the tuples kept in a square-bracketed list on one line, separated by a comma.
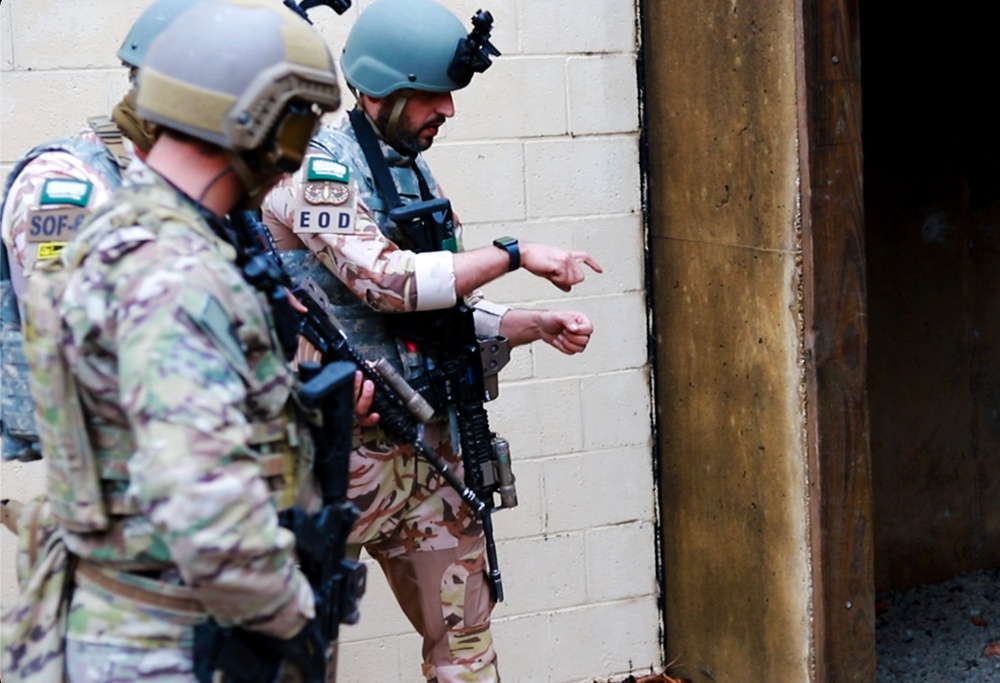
[(62, 209), (327, 202)]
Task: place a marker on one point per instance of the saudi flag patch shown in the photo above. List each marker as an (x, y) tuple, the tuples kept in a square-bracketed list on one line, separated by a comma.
[(66, 191), (327, 169)]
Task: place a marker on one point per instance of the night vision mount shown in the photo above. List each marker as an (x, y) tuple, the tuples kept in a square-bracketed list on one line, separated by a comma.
[(472, 56), (300, 8)]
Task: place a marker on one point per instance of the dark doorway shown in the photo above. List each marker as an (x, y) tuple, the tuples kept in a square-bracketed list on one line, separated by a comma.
[(931, 136)]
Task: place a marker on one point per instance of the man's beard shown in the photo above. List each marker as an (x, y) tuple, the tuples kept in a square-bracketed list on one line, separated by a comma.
[(406, 140)]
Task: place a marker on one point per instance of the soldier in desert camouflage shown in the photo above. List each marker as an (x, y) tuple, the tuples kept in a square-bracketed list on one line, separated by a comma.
[(331, 221), (164, 400), (48, 193)]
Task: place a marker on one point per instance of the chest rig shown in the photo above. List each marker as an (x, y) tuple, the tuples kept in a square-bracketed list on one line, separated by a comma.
[(17, 413), (387, 188)]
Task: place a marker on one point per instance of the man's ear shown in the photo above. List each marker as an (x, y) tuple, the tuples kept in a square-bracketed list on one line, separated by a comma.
[(371, 105)]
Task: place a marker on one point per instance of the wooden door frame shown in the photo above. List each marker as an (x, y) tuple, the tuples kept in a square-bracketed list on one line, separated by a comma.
[(836, 339)]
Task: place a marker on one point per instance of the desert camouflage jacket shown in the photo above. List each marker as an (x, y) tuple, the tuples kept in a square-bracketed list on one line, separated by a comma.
[(35, 214), (48, 193), (334, 195)]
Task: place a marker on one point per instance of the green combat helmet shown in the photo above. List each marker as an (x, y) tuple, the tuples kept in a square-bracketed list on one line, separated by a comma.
[(245, 75), (147, 27), (414, 44)]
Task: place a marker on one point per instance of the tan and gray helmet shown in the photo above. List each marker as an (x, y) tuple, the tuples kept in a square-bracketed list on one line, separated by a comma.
[(240, 74), (148, 26)]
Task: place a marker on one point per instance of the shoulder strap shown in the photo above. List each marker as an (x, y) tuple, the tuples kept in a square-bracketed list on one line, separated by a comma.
[(425, 190), (373, 154), (111, 135)]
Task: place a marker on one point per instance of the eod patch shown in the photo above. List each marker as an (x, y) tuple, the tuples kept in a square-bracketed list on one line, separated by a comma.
[(326, 202)]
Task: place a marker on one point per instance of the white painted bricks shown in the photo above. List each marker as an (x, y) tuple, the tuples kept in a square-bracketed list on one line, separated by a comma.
[(544, 147)]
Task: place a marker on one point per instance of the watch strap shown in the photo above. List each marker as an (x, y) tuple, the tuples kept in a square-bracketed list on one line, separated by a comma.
[(510, 245)]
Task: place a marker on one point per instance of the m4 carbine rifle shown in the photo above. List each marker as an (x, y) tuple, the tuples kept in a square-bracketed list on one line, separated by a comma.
[(461, 375), (338, 583), (462, 371)]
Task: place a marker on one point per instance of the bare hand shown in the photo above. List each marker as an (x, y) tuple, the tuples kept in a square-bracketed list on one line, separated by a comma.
[(364, 392), (567, 331), (561, 267)]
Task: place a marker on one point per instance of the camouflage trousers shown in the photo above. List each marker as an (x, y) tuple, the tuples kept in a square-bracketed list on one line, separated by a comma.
[(431, 549)]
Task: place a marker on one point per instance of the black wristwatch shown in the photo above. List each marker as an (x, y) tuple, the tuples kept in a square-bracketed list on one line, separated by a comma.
[(509, 244)]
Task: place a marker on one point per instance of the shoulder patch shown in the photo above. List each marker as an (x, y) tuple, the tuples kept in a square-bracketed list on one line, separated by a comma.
[(319, 168), (66, 191), (50, 229), (326, 201)]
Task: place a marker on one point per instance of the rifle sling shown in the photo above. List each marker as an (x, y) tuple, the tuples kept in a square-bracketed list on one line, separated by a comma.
[(369, 144)]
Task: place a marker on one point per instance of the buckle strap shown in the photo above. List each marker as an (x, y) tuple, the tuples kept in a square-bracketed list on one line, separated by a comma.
[(105, 128), (146, 592), (111, 135)]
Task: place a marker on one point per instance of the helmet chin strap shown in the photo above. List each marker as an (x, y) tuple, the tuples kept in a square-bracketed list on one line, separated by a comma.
[(392, 127), (397, 113)]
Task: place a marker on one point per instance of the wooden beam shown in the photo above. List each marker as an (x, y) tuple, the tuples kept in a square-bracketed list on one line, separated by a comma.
[(836, 342)]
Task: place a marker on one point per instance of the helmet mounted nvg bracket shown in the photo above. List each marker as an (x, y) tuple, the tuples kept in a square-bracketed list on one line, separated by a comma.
[(301, 8), (473, 53)]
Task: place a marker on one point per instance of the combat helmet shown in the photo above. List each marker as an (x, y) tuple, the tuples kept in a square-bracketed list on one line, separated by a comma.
[(248, 76), (415, 44), (132, 52), (147, 27)]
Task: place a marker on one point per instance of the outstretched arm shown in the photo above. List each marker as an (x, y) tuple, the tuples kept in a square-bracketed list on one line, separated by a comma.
[(561, 267)]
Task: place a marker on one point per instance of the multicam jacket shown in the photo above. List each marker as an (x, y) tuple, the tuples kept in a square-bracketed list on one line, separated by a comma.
[(177, 372)]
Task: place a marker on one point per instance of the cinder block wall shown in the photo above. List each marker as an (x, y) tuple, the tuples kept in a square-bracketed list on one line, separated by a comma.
[(544, 147)]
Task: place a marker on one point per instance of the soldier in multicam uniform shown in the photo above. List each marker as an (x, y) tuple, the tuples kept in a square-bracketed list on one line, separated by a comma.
[(48, 193), (331, 223), (165, 407)]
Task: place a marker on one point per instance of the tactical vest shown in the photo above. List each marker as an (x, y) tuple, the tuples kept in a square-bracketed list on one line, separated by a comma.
[(17, 412), (87, 459), (364, 326)]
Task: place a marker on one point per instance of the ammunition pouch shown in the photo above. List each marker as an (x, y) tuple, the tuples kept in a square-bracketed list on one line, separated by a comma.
[(425, 226)]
